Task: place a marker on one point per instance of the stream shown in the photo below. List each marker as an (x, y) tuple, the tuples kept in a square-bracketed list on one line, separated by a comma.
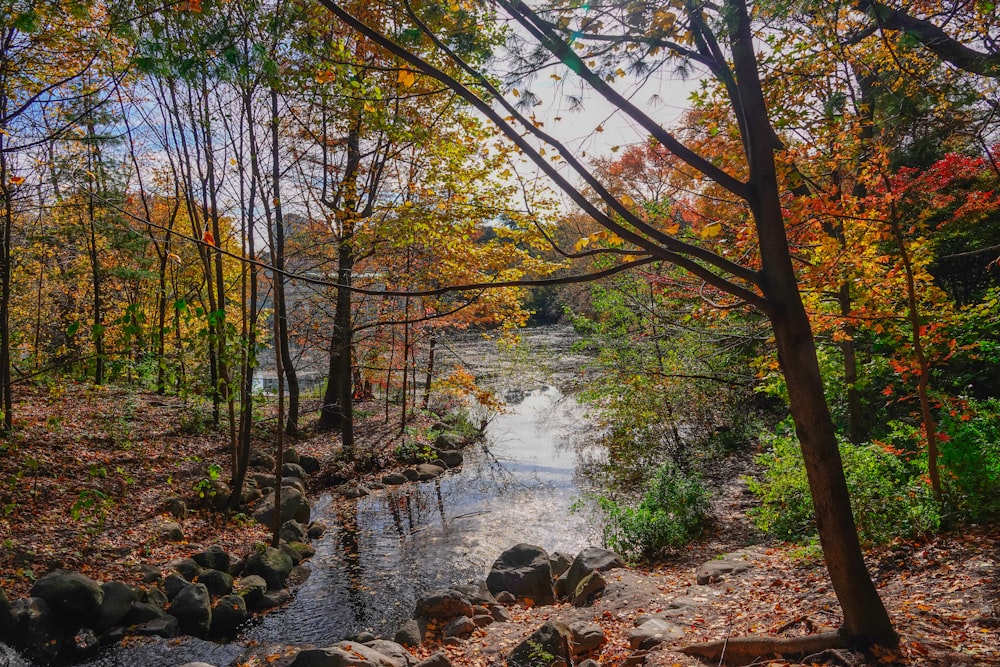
[(384, 550)]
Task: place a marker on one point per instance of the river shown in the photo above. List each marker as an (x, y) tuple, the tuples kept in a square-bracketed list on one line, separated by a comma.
[(384, 550)]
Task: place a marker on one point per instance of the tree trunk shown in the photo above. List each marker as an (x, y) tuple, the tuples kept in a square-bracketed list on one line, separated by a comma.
[(6, 229)]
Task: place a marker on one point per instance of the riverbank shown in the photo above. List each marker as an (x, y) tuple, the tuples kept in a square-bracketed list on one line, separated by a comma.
[(137, 450)]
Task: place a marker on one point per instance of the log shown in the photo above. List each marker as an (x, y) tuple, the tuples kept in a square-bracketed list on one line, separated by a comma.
[(741, 651)]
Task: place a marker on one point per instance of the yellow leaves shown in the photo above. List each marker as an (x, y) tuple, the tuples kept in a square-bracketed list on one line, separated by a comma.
[(663, 21), (406, 77), (626, 201), (711, 230), (515, 92), (369, 107), (673, 228), (174, 257), (609, 238)]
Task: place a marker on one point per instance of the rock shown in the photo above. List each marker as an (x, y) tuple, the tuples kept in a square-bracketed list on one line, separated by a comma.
[(69, 594), (715, 570), (476, 593), (451, 458), (81, 645), (426, 471), (217, 583), (460, 626), (6, 616), (354, 492), (482, 620), (250, 495), (362, 637), (164, 626), (289, 455), (440, 463), (176, 506), (454, 641), (298, 576), (293, 470), (589, 588), (213, 558), (292, 554), (342, 654), (251, 588), (264, 480), (157, 597), (229, 613), (192, 608), (411, 474), (505, 597), (150, 574), (117, 602), (172, 532), (218, 494), (591, 559), (450, 440), (142, 612), (196, 664), (500, 614), (637, 659), (294, 505), (293, 531), (412, 632), (271, 564), (273, 599), (186, 567), (524, 572), (309, 463), (559, 562), (394, 479), (588, 663), (587, 637), (36, 627), (545, 647), (174, 584), (439, 659), (399, 656), (302, 549), (261, 461), (443, 605), (653, 632)]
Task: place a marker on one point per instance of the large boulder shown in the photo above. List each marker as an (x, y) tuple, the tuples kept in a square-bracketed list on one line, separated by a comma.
[(293, 531), (591, 559), (450, 440), (587, 637), (294, 505), (217, 583), (443, 605), (427, 471), (251, 588), (412, 632), (69, 594), (590, 587), (186, 567), (6, 616), (192, 608), (293, 470), (524, 571), (142, 612), (399, 656), (653, 632), (548, 646), (273, 565), (451, 458), (117, 602), (229, 613)]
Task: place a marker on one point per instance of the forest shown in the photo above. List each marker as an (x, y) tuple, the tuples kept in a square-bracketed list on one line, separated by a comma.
[(233, 231)]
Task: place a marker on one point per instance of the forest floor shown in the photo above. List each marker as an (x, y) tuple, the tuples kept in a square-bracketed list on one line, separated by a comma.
[(84, 479)]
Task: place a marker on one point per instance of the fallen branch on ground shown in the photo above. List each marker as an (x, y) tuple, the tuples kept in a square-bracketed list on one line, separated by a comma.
[(739, 651)]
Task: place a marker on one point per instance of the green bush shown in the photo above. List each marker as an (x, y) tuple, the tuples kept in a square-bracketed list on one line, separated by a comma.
[(970, 460), (671, 512), (889, 494)]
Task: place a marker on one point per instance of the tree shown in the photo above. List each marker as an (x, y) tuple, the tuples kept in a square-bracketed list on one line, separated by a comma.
[(722, 41)]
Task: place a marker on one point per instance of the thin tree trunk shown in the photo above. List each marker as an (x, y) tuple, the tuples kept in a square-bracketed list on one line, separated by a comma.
[(430, 371)]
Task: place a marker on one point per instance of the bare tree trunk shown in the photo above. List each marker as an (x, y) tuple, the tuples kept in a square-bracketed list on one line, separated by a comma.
[(430, 371)]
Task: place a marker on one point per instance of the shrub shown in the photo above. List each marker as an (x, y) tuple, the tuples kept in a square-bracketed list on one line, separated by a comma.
[(888, 494), (671, 512), (970, 460)]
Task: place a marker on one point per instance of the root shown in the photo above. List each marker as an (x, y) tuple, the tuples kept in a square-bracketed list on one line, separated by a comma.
[(740, 651)]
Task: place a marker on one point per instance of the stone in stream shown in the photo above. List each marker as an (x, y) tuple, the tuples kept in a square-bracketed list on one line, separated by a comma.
[(449, 457), (6, 617), (142, 612), (428, 471), (294, 505), (394, 479), (355, 492), (164, 626), (450, 440), (293, 531), (545, 647), (524, 572), (69, 594), (36, 628), (229, 613), (412, 632)]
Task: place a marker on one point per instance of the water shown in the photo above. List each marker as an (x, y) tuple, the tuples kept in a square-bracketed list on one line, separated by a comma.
[(384, 550)]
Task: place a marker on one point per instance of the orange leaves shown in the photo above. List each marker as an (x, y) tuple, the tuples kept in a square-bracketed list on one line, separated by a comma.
[(406, 78), (16, 180), (207, 238)]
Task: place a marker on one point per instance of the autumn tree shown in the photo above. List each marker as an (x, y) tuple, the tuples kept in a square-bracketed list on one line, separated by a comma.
[(591, 42)]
